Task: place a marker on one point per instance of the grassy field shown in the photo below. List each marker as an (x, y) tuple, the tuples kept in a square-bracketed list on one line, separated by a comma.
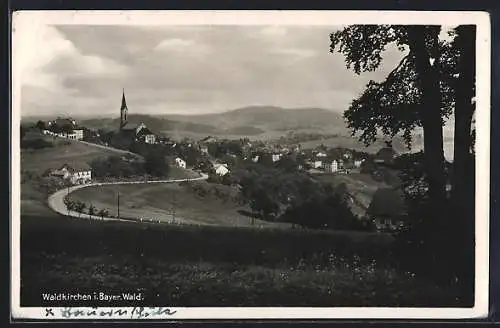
[(35, 162), (203, 265), (217, 266), (40, 160), (157, 201)]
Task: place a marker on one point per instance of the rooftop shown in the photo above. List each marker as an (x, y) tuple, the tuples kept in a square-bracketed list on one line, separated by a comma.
[(386, 153), (76, 166), (130, 126)]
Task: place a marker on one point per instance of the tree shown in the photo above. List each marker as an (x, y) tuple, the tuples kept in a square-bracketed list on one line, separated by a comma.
[(106, 136), (323, 209), (67, 128), (412, 95), (91, 210), (262, 191), (23, 132), (287, 164), (102, 213), (434, 79), (203, 164), (156, 165), (464, 136), (266, 159), (80, 207), (40, 125), (70, 204)]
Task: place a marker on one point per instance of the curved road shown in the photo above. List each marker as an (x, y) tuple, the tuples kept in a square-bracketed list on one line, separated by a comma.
[(56, 200)]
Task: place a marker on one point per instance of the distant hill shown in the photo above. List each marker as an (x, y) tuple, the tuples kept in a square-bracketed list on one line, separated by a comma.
[(153, 123), (256, 123), (247, 121), (270, 118)]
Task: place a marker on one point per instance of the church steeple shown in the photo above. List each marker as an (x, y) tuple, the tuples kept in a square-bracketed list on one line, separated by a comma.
[(123, 111)]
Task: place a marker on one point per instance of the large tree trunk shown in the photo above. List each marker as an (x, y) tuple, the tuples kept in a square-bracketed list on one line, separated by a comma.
[(464, 110), (463, 163), (431, 103)]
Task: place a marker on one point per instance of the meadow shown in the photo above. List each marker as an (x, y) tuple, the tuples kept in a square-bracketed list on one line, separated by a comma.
[(175, 265), (63, 151), (34, 162), (159, 201), (217, 266)]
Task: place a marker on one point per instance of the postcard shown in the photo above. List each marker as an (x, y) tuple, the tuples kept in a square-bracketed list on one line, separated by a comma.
[(250, 165)]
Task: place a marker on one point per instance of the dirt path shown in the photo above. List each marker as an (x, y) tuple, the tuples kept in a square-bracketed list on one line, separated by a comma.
[(56, 200)]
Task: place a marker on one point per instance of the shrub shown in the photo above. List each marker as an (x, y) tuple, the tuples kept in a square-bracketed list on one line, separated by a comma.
[(35, 144)]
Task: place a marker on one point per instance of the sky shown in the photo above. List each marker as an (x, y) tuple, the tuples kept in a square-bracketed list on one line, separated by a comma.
[(81, 69)]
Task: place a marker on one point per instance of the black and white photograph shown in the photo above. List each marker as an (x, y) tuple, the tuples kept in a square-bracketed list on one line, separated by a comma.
[(232, 165)]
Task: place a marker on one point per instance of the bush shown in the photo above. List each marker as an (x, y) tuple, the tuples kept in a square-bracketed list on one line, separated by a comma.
[(35, 144), (116, 167), (156, 165), (438, 243)]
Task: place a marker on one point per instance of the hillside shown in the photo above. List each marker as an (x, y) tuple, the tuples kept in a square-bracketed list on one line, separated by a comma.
[(247, 121), (254, 122), (269, 118)]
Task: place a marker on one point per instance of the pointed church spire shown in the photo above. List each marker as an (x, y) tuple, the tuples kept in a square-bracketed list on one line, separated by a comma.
[(123, 111), (124, 102)]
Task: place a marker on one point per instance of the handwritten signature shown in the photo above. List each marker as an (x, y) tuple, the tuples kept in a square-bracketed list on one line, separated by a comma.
[(134, 313)]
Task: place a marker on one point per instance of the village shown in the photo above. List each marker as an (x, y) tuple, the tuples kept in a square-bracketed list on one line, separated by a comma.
[(224, 165), (210, 152), (314, 161)]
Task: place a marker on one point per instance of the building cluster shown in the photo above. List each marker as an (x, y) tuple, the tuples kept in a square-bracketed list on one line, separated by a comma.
[(63, 128), (75, 173), (129, 130), (322, 159)]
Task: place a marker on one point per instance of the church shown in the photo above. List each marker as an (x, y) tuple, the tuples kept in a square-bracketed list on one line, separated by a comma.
[(137, 132)]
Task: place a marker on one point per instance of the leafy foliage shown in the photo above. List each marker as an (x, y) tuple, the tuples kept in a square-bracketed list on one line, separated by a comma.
[(116, 167), (296, 198), (40, 125), (393, 106), (156, 165), (38, 143), (103, 213)]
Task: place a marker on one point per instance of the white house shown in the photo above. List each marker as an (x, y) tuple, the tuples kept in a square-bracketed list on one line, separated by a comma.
[(255, 159), (180, 162), (317, 164), (204, 149), (75, 135), (358, 162), (149, 138), (221, 169), (276, 157), (334, 166), (77, 173), (321, 154)]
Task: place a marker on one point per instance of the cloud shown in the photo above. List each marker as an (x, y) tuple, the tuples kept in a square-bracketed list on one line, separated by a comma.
[(52, 58), (48, 61), (193, 69), (274, 31), (173, 44), (185, 46), (296, 52)]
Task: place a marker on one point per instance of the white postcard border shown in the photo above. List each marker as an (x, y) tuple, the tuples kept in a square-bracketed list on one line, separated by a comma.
[(24, 21)]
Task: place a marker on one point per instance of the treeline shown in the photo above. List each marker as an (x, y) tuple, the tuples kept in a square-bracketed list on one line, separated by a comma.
[(294, 197), (38, 143), (80, 207), (293, 138), (128, 166)]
